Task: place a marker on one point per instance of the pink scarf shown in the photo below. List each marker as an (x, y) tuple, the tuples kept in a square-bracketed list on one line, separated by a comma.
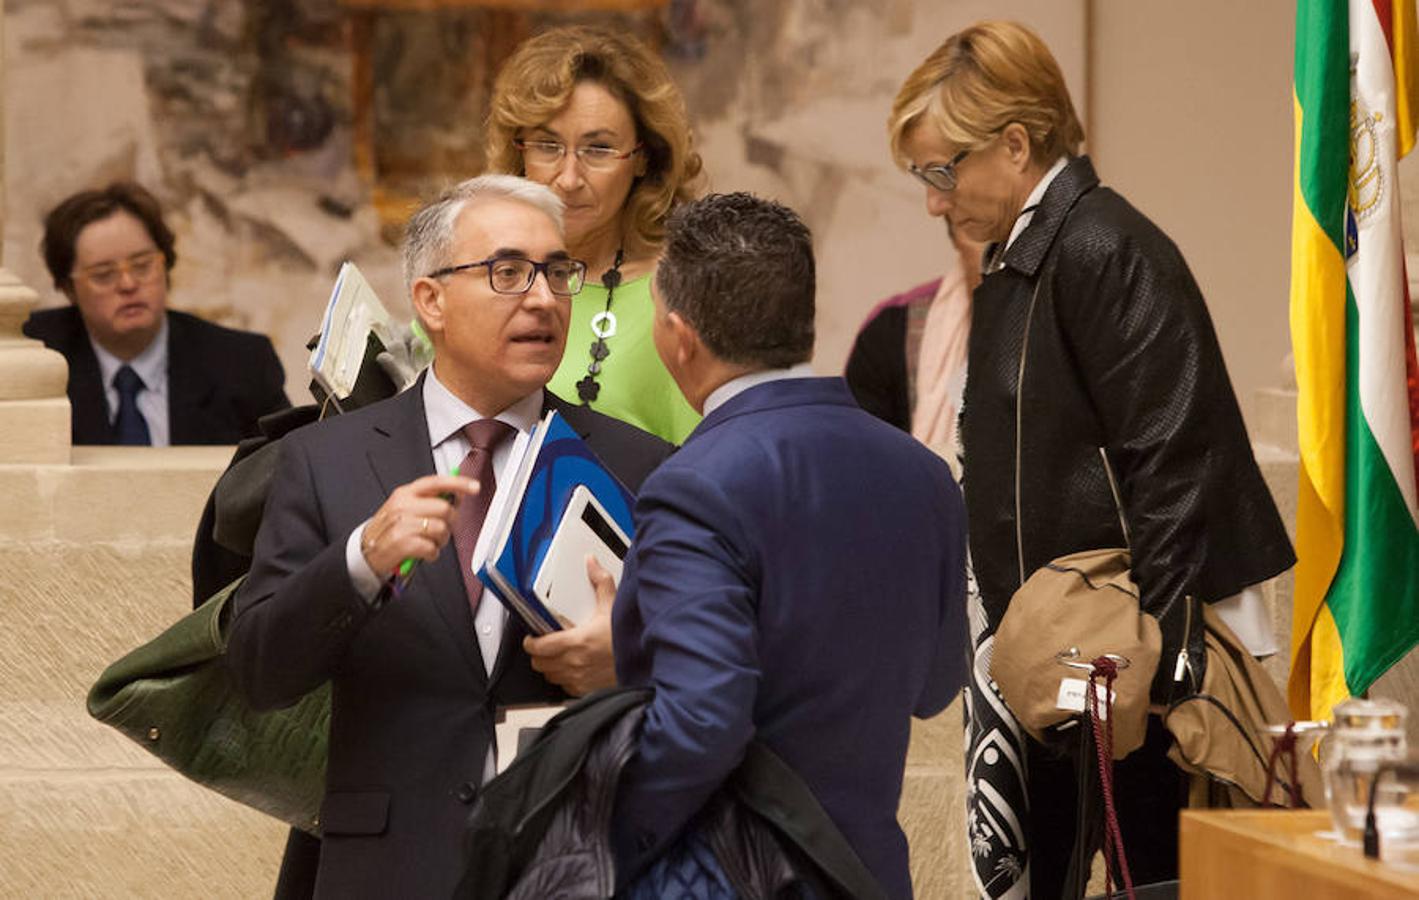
[(941, 365)]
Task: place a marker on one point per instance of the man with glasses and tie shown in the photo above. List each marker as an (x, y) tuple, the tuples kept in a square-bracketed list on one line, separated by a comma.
[(140, 373), (421, 670)]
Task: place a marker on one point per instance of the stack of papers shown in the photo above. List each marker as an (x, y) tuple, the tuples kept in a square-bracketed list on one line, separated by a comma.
[(354, 329)]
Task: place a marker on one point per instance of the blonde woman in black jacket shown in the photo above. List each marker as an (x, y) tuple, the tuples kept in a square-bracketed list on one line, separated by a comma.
[(1122, 358)]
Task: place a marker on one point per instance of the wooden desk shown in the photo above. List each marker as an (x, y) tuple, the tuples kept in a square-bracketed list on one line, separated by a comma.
[(1263, 854)]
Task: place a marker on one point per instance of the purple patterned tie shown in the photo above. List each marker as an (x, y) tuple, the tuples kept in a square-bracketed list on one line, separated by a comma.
[(483, 435)]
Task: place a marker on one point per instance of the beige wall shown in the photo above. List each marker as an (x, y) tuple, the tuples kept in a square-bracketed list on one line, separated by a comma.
[(1191, 121), (820, 143)]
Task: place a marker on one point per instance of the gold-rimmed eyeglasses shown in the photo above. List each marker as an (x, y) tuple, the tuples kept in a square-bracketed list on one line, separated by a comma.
[(549, 154), (142, 267)]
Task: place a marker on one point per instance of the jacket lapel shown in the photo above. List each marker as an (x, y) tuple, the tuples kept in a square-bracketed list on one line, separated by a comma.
[(88, 405), (1029, 249), (191, 385), (399, 454)]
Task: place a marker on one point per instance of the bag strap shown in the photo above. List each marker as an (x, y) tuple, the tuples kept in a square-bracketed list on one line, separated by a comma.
[(769, 786), (1101, 681)]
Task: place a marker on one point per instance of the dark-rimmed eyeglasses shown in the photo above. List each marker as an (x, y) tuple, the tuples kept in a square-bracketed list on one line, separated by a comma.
[(941, 177), (515, 274), (549, 154)]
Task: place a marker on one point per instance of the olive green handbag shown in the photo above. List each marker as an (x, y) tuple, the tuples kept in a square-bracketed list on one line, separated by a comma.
[(175, 697)]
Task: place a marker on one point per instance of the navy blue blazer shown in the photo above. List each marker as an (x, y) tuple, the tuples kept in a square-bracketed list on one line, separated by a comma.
[(220, 380), (412, 709), (798, 574)]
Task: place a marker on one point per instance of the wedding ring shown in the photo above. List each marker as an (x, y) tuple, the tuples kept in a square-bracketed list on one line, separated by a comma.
[(424, 526)]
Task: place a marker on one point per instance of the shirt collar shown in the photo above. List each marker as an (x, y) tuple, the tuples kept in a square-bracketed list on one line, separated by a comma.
[(736, 386), (1031, 202), (151, 365), (447, 414)]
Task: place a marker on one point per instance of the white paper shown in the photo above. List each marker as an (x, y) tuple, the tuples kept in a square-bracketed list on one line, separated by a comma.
[(1074, 693)]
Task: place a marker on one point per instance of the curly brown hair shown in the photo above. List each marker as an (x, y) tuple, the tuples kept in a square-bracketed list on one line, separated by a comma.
[(536, 83)]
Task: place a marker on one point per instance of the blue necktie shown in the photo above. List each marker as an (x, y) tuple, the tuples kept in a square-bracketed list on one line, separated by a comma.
[(130, 426)]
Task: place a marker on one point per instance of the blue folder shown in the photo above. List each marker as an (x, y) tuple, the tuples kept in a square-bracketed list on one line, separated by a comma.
[(555, 461)]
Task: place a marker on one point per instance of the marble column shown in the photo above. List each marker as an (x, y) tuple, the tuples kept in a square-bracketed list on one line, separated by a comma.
[(34, 409)]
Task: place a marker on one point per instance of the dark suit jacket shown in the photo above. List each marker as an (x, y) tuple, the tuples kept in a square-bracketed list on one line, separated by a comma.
[(413, 709), (878, 371), (220, 381), (797, 575)]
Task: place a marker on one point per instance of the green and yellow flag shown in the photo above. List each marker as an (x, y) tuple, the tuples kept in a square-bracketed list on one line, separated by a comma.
[(1357, 542)]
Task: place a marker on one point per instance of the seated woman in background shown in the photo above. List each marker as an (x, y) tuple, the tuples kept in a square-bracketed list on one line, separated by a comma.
[(908, 364), (595, 116), (140, 373)]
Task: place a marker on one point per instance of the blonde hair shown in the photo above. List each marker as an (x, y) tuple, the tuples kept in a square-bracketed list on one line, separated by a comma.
[(537, 82), (982, 79)]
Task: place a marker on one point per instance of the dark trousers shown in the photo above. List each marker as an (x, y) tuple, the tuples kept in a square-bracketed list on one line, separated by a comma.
[(298, 867), (1148, 793)]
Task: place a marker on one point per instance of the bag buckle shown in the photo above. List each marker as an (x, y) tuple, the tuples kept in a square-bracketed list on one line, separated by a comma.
[(1070, 658)]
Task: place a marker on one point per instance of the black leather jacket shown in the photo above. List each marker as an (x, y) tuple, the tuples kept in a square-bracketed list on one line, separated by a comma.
[(543, 827), (1121, 356)]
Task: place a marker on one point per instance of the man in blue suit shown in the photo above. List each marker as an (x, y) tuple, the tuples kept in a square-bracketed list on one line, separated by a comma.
[(798, 569)]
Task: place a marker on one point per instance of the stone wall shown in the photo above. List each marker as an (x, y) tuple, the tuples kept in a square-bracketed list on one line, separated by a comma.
[(238, 114), (234, 113), (98, 556)]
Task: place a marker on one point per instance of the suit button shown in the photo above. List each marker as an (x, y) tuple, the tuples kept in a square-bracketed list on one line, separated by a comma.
[(466, 792)]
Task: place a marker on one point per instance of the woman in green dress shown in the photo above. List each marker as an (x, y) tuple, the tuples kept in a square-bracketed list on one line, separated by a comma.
[(595, 116)]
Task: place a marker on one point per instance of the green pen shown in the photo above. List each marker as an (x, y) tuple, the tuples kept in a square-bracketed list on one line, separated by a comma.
[(408, 565)]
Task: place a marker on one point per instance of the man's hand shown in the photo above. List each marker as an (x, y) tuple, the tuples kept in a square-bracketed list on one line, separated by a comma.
[(579, 659), (415, 521)]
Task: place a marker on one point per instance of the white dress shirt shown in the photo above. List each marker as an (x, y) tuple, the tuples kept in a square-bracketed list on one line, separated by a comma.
[(1022, 221), (151, 366), (736, 386), (446, 415)]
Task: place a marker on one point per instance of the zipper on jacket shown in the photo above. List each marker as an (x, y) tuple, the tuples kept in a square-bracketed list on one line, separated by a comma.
[(1184, 664), (1019, 428), (1118, 500)]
